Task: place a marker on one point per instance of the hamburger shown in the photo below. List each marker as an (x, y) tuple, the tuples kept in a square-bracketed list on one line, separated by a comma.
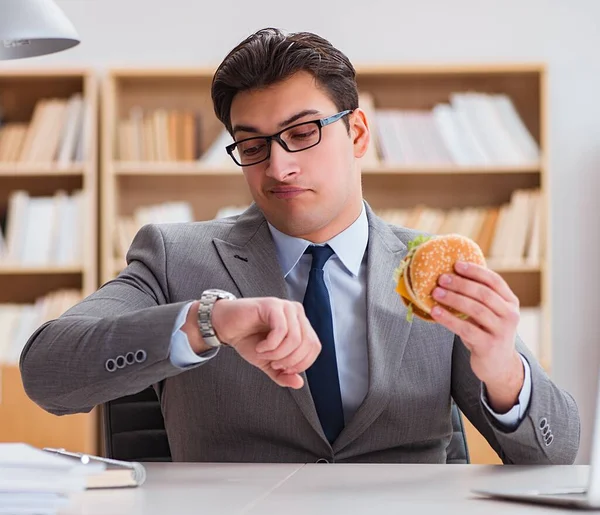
[(429, 257)]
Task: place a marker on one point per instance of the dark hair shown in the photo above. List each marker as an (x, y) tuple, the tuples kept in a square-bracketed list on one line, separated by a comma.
[(269, 56)]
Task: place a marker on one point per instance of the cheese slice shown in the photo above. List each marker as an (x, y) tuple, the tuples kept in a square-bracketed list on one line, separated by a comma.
[(401, 289)]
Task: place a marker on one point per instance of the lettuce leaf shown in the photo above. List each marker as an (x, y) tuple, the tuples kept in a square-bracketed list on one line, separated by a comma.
[(412, 246), (414, 243), (409, 313)]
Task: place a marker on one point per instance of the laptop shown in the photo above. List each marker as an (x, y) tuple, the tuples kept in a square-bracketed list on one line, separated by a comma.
[(587, 497)]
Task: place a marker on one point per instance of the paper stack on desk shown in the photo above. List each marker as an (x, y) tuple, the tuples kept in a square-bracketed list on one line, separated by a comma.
[(33, 481)]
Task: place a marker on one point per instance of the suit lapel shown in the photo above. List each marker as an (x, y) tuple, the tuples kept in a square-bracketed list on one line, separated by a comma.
[(387, 328), (250, 257)]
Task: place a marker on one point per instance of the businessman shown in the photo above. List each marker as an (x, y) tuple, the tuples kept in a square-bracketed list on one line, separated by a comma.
[(276, 335)]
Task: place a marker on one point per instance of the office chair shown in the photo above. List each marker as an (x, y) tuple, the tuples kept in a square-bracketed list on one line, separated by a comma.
[(134, 429), (457, 450)]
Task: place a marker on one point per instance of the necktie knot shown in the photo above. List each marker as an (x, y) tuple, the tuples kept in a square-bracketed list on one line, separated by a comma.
[(320, 255)]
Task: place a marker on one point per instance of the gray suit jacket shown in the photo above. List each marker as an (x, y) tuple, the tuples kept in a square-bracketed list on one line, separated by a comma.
[(227, 410)]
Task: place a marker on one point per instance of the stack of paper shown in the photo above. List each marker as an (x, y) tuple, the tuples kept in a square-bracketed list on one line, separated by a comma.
[(33, 481)]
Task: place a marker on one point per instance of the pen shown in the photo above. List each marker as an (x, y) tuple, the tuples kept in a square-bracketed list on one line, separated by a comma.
[(86, 458)]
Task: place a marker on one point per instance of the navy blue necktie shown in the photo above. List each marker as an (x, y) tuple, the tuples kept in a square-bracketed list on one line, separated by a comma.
[(323, 374)]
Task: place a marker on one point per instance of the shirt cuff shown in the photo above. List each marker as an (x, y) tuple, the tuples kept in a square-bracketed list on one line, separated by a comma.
[(181, 353), (512, 418)]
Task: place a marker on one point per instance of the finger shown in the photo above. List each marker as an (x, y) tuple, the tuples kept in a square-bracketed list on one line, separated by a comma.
[(286, 380), (471, 335), (310, 336), (292, 339), (303, 365), (306, 353), (288, 364), (478, 312), (277, 324), (487, 276), (477, 291)]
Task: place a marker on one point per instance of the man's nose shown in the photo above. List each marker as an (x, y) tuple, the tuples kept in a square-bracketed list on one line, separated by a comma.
[(282, 164)]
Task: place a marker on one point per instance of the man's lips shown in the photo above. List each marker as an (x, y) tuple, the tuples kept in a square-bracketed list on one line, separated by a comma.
[(287, 192)]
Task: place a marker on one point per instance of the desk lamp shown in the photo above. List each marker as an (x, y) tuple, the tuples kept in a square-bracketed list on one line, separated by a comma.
[(29, 28)]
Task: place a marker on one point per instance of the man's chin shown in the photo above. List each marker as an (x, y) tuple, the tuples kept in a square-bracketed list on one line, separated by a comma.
[(296, 226)]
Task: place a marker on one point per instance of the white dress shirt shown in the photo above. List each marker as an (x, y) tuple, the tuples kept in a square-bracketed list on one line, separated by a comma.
[(345, 277)]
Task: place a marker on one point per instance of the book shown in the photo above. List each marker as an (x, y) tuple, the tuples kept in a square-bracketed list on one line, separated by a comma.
[(116, 474)]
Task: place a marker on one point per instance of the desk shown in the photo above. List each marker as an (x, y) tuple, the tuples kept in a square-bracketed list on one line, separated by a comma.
[(315, 489)]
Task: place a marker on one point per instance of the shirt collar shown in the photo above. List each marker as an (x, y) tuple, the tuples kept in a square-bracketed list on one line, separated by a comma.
[(349, 245)]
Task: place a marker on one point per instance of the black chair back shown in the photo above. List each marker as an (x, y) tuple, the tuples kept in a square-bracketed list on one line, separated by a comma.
[(134, 429), (457, 450)]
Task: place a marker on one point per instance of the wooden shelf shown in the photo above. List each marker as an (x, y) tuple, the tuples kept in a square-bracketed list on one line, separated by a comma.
[(42, 270), (46, 75), (516, 269), (21, 91), (172, 168), (38, 170), (454, 70), (451, 170), (444, 191)]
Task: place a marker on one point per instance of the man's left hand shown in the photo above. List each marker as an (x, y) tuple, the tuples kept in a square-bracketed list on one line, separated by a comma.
[(490, 330)]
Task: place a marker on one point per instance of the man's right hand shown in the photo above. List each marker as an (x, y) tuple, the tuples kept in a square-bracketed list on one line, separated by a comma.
[(270, 333)]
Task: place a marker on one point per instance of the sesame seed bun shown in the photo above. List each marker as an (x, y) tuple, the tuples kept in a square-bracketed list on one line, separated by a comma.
[(423, 266)]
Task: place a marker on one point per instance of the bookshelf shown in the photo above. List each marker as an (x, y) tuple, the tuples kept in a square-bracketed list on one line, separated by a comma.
[(48, 232), (472, 139)]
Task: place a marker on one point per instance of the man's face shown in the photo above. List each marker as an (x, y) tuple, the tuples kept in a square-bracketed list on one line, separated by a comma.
[(316, 193)]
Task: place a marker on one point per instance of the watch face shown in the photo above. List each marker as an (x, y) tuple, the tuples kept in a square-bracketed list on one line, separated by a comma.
[(220, 294)]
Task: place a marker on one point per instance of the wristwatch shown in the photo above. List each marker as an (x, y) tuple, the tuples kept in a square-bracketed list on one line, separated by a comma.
[(207, 301)]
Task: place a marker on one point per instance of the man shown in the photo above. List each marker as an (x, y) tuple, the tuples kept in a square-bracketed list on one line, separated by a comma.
[(303, 353)]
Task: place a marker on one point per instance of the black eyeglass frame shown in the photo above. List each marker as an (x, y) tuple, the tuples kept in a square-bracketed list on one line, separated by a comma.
[(320, 123)]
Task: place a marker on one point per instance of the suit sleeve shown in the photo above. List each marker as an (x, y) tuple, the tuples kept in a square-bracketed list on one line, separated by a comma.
[(115, 342), (549, 430)]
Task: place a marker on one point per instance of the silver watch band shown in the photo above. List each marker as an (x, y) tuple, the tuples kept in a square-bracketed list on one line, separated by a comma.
[(207, 301)]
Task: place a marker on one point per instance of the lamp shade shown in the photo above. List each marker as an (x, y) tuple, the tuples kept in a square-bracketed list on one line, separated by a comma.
[(30, 28)]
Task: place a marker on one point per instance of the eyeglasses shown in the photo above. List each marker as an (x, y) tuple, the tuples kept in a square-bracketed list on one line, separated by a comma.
[(296, 138)]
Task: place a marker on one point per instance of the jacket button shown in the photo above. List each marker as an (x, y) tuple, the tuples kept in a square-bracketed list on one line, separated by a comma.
[(322, 460), (110, 365), (543, 422), (140, 356), (130, 358), (120, 361)]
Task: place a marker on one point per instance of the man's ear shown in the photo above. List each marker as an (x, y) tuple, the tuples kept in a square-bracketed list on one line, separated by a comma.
[(359, 131)]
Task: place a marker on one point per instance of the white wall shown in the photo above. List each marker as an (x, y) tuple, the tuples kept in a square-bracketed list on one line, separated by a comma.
[(559, 32)]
